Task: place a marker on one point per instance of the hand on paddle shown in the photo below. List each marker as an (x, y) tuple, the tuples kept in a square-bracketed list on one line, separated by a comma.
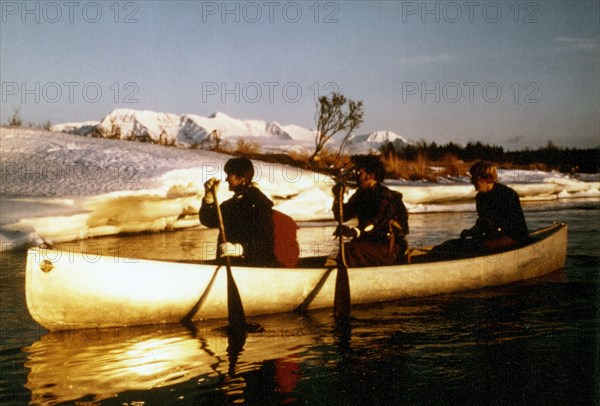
[(466, 234), (228, 249), (337, 188), (346, 231), (210, 186)]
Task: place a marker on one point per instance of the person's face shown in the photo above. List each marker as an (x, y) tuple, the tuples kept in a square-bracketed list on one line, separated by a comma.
[(234, 181), (482, 185), (365, 180)]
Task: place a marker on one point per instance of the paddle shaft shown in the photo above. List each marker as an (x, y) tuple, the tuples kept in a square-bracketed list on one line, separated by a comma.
[(340, 222), (341, 300), (188, 317), (235, 309)]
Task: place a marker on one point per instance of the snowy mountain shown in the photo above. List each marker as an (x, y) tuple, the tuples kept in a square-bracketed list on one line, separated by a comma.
[(191, 130), (300, 133), (170, 129), (84, 128), (372, 142)]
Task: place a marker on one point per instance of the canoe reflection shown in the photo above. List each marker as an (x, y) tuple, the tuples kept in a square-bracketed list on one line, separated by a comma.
[(99, 364)]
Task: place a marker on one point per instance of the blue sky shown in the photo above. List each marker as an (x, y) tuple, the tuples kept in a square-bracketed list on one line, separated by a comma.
[(510, 73)]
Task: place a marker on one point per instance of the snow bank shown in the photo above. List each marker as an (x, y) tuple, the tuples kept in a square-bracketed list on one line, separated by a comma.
[(61, 187)]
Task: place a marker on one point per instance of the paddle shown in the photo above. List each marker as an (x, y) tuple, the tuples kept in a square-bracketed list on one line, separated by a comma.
[(302, 308), (341, 300), (188, 317), (235, 309)]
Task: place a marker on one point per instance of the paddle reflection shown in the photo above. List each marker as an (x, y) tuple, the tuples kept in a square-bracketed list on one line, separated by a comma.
[(99, 364)]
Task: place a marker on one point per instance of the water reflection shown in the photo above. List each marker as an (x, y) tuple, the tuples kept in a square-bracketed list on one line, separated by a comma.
[(526, 343), (93, 365), (66, 366), (396, 350)]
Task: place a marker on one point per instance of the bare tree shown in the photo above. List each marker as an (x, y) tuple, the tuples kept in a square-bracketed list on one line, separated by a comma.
[(215, 135), (15, 119), (335, 114)]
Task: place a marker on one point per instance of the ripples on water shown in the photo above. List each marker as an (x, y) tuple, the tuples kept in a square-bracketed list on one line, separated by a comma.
[(534, 342)]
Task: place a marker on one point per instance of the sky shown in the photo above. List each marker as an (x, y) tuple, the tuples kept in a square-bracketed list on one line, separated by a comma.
[(510, 73)]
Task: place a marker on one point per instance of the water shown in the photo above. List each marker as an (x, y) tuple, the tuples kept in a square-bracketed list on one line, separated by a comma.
[(534, 342)]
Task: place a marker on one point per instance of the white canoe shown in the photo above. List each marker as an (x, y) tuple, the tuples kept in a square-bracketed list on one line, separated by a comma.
[(68, 290)]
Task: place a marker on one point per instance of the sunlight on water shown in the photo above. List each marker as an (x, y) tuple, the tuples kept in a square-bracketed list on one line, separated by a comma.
[(70, 365), (536, 341)]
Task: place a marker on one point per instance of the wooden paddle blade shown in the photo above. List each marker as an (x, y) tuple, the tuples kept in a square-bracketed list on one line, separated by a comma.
[(341, 300), (235, 309)]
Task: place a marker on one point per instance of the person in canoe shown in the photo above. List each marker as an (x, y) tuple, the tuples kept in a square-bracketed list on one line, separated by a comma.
[(380, 237), (501, 222), (247, 217)]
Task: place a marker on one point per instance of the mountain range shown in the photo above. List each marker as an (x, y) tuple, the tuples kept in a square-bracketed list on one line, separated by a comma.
[(194, 131)]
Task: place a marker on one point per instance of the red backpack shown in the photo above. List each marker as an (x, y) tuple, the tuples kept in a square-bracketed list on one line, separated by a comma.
[(287, 250)]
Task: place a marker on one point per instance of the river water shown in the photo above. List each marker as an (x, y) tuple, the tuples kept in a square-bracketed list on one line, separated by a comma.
[(534, 342)]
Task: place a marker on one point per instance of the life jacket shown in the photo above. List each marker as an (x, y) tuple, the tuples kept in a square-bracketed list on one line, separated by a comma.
[(287, 250), (398, 226), (399, 220)]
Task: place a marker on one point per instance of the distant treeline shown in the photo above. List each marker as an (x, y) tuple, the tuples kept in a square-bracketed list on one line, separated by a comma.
[(549, 157)]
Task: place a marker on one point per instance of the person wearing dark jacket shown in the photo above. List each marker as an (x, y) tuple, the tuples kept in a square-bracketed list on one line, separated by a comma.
[(380, 237), (501, 222), (247, 217)]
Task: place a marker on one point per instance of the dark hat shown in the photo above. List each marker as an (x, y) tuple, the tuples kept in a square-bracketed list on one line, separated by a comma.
[(241, 167)]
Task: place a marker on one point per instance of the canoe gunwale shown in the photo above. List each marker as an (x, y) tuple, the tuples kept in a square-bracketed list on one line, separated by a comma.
[(534, 238)]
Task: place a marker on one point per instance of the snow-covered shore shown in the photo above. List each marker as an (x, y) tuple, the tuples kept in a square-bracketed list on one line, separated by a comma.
[(62, 187)]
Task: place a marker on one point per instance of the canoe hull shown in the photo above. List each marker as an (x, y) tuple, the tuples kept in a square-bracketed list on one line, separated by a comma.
[(67, 290)]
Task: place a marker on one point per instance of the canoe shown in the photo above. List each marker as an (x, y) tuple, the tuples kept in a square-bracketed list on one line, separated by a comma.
[(69, 290)]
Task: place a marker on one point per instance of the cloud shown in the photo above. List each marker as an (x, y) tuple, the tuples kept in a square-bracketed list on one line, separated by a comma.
[(580, 44), (425, 59)]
